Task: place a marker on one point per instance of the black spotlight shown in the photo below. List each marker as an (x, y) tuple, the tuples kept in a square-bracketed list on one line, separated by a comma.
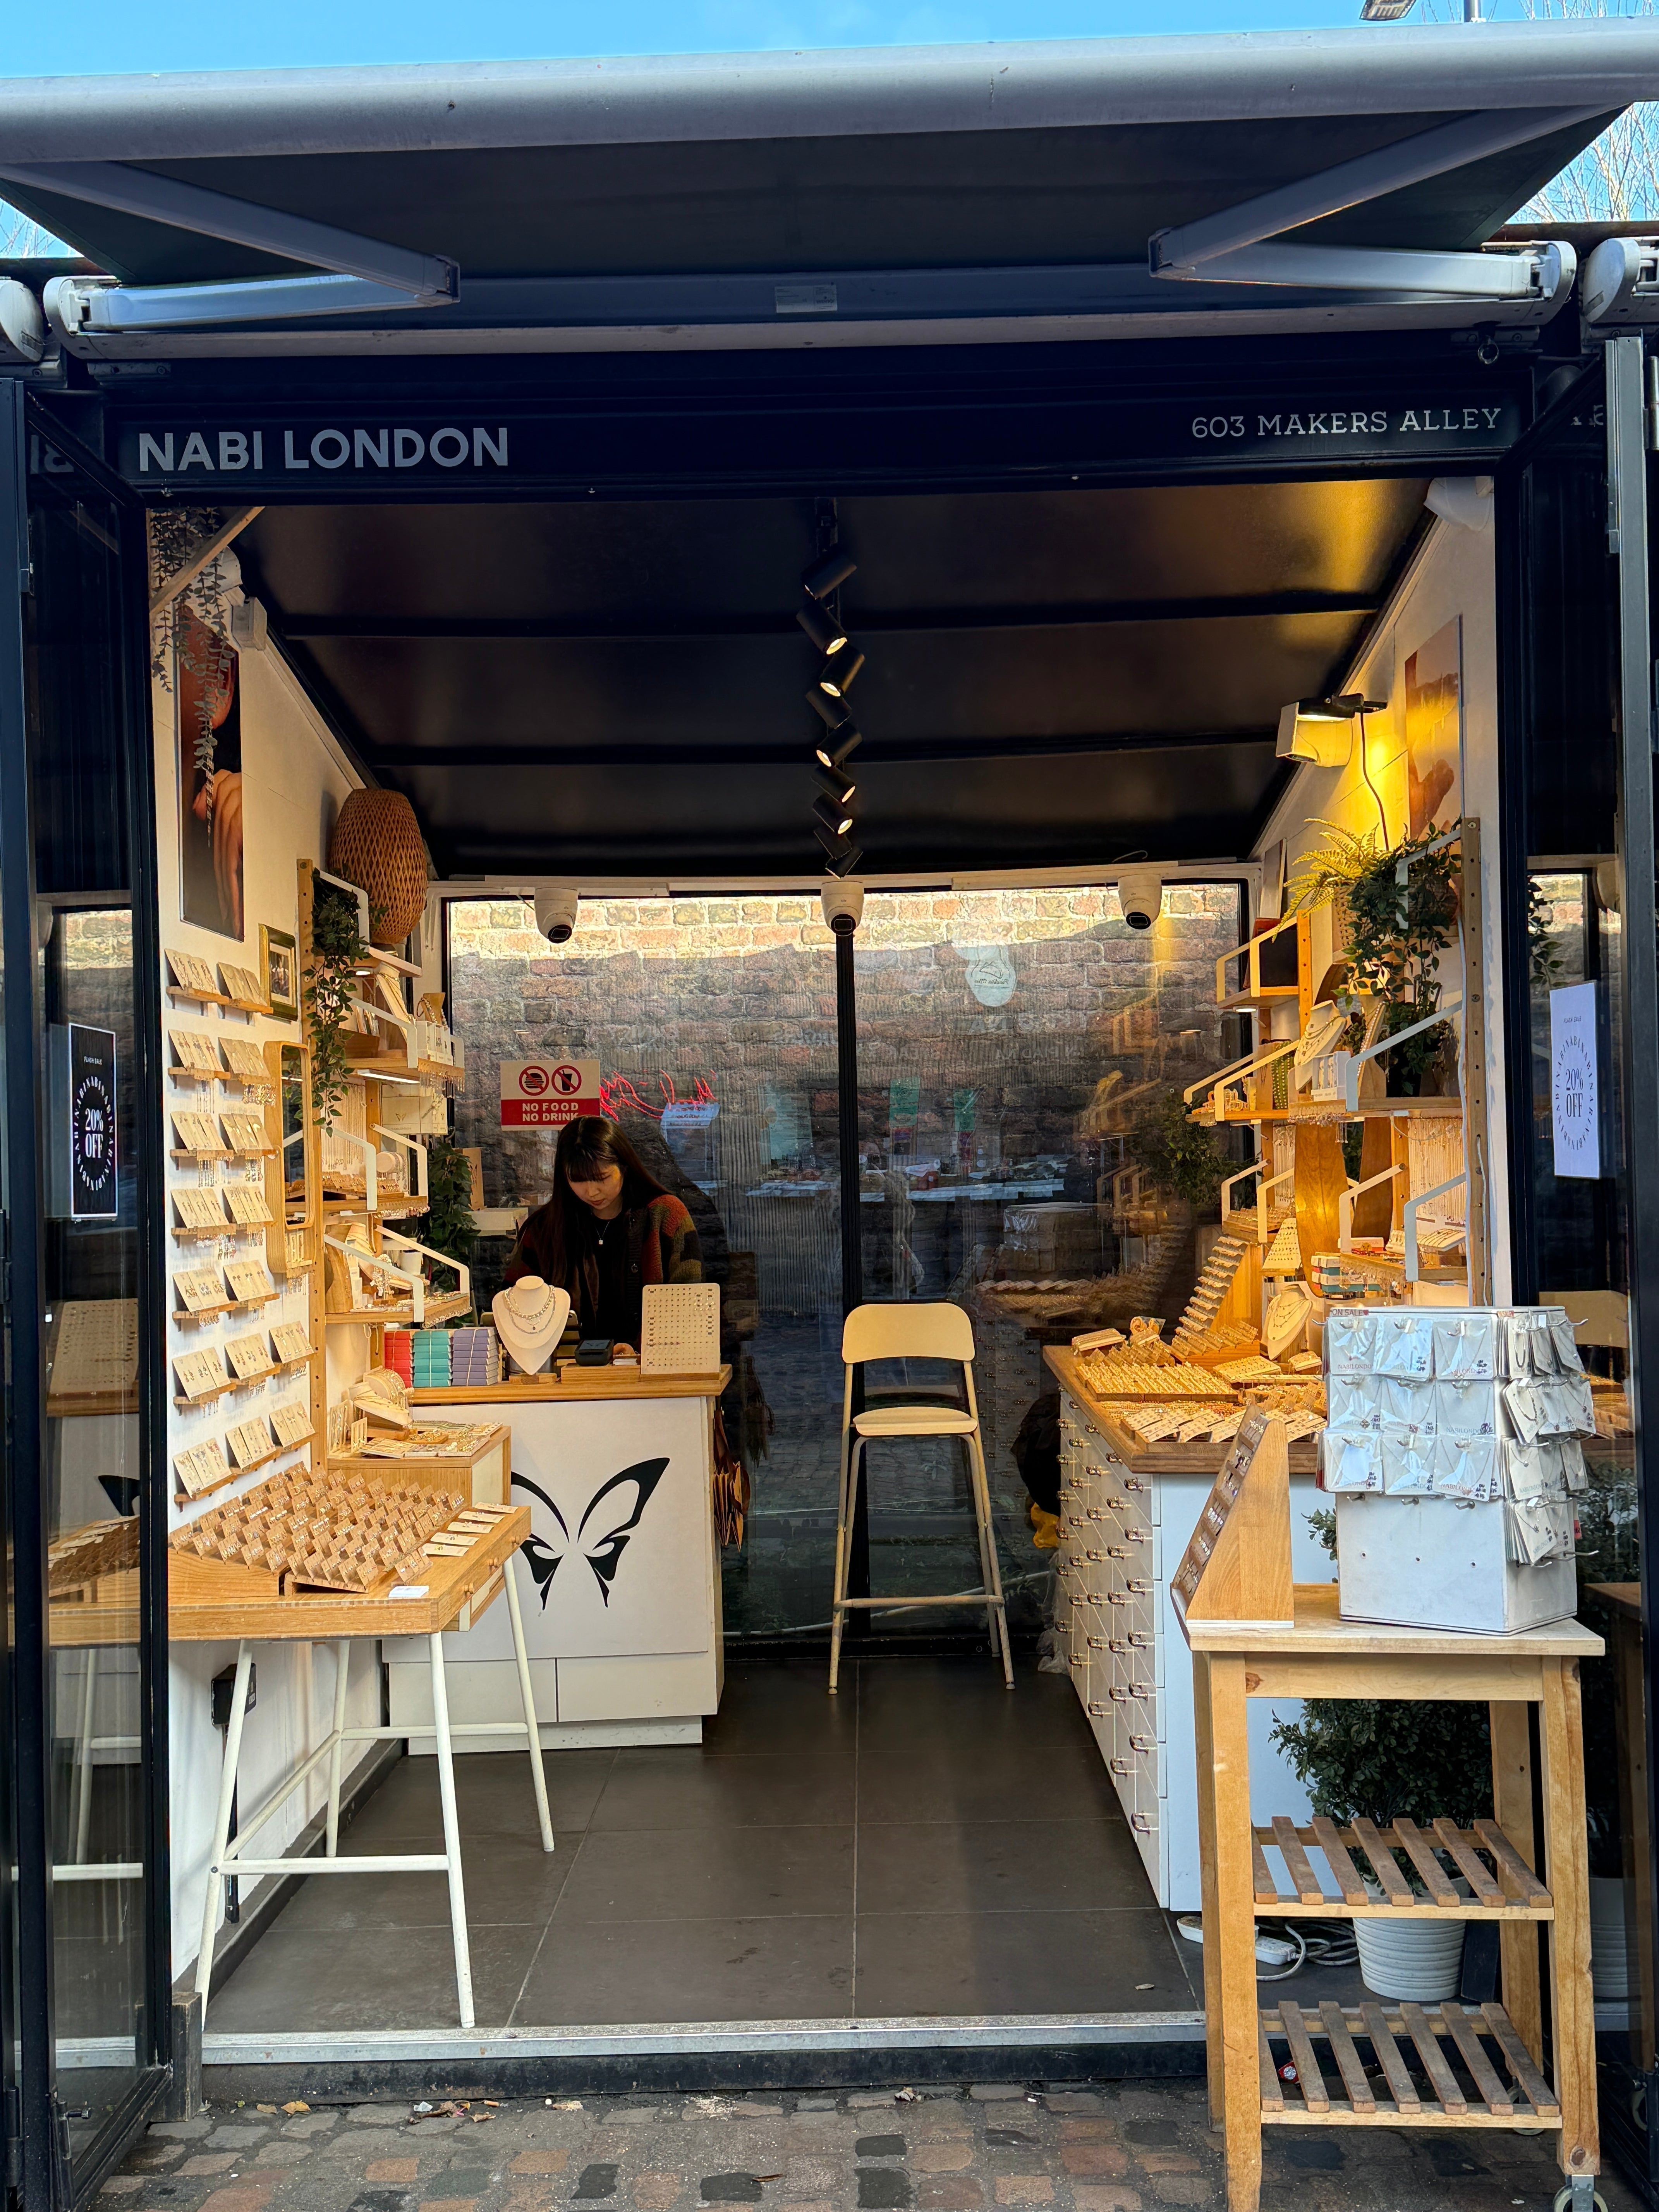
[(829, 570), (836, 751), (837, 782), (837, 673), (836, 712), (844, 857), (828, 636), (835, 818)]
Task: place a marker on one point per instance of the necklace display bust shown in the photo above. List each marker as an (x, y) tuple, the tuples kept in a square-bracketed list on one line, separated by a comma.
[(530, 1318)]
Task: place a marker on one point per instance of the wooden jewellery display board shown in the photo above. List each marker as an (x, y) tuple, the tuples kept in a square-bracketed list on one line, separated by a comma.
[(215, 1599), (1431, 2065)]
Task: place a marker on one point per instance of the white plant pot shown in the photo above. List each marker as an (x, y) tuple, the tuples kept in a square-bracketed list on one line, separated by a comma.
[(1421, 1961), (1609, 1960)]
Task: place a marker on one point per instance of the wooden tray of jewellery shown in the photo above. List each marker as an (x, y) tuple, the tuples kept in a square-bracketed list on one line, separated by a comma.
[(310, 1553)]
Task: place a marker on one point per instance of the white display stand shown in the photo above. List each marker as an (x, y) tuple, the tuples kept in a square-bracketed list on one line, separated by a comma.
[(627, 1647)]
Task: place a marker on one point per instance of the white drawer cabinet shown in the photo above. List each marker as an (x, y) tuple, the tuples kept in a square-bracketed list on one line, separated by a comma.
[(1122, 1531)]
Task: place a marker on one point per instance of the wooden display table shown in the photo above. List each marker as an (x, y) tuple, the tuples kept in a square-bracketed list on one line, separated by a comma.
[(481, 1473), (1499, 2048), (212, 1600)]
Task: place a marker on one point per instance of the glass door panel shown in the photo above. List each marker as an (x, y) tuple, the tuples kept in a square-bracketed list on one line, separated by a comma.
[(97, 1500)]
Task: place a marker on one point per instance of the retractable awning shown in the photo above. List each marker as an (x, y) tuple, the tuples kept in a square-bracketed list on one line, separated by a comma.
[(1070, 188)]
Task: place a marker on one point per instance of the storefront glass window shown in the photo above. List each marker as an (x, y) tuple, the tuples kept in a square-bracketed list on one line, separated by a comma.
[(1015, 1047)]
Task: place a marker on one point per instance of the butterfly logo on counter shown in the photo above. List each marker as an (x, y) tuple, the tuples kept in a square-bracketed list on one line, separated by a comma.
[(604, 1533)]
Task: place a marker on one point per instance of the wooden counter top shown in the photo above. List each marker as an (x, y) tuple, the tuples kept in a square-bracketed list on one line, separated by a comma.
[(579, 1385), (1199, 1457)]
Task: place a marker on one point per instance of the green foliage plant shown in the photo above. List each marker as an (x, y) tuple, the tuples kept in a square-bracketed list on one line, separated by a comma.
[(1396, 931), (1180, 1155), (331, 984), (449, 1226), (1390, 1758)]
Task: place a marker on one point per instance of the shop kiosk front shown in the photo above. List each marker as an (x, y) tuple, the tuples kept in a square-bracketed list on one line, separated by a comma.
[(521, 545)]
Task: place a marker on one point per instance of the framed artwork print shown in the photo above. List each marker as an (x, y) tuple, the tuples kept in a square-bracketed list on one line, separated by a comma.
[(279, 971)]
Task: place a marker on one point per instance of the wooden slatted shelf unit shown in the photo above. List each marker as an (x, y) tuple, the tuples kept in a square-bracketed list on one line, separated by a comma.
[(1255, 1634), (1430, 2093), (1508, 1890)]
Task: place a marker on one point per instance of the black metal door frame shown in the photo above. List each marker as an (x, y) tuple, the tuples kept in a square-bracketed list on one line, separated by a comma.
[(42, 2172)]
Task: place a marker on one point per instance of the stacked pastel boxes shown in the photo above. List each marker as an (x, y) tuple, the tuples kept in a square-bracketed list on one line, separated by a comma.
[(1471, 1405), (475, 1359), (429, 1359)]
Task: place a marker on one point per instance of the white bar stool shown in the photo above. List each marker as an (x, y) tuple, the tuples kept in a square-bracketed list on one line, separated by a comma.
[(913, 1332)]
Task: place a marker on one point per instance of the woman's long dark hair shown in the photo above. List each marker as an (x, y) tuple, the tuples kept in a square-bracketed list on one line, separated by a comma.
[(587, 1146)]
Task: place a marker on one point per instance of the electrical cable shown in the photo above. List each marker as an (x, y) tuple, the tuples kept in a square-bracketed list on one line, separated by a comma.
[(1365, 776)]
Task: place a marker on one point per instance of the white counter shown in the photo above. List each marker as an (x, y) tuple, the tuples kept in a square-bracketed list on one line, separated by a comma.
[(620, 1581)]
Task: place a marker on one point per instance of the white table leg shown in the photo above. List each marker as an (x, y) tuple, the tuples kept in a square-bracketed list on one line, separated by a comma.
[(527, 1690), (342, 1668), (83, 1757), (452, 1831), (221, 1820)]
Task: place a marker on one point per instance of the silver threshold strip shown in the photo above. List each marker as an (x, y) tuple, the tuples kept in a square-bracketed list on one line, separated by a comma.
[(1034, 2030)]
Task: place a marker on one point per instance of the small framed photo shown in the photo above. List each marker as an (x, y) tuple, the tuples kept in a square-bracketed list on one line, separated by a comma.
[(279, 971)]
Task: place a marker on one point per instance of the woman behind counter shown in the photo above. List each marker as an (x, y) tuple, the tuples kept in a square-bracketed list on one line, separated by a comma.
[(609, 1229)]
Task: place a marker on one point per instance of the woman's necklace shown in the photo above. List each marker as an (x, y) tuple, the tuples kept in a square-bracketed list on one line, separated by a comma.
[(530, 1320)]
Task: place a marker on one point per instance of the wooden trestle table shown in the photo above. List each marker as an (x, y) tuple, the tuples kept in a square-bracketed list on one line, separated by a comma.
[(213, 1601), (1319, 1654)]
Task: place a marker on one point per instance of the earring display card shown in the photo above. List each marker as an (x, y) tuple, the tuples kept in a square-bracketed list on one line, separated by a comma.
[(680, 1329), (192, 976), (247, 1206), (199, 1134), (199, 1374), (204, 1469), (249, 1282), (290, 1343), (244, 1133), (242, 987), (249, 1356), (199, 1209), (292, 1424), (243, 1057), (251, 1440), (198, 1290), (194, 1051)]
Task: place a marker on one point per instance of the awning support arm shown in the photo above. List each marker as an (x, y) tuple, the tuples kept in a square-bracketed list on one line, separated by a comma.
[(1386, 169), (429, 278)]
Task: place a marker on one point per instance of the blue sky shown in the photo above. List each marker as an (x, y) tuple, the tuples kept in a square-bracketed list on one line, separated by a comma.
[(98, 35)]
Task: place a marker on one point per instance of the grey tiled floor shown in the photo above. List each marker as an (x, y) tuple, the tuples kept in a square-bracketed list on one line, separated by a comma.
[(926, 1843)]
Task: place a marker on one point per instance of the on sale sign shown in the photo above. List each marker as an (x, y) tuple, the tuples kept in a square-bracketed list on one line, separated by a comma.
[(546, 1094)]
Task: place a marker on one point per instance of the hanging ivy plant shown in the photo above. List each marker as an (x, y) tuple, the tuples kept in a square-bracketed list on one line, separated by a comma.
[(449, 1226), (331, 984), (1396, 932)]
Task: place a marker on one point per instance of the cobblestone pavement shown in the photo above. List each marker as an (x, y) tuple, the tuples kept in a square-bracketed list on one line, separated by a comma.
[(1116, 2148)]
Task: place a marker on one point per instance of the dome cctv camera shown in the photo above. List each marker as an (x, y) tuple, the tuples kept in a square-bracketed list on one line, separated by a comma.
[(1140, 894), (556, 913), (843, 904)]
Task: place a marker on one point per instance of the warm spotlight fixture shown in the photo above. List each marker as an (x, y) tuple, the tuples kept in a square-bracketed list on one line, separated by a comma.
[(844, 857), (836, 783), (835, 818), (835, 711), (827, 635), (837, 673), (834, 753), (828, 572), (1321, 731)]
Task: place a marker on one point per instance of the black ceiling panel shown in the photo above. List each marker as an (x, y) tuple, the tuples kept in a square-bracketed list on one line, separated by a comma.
[(618, 690)]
